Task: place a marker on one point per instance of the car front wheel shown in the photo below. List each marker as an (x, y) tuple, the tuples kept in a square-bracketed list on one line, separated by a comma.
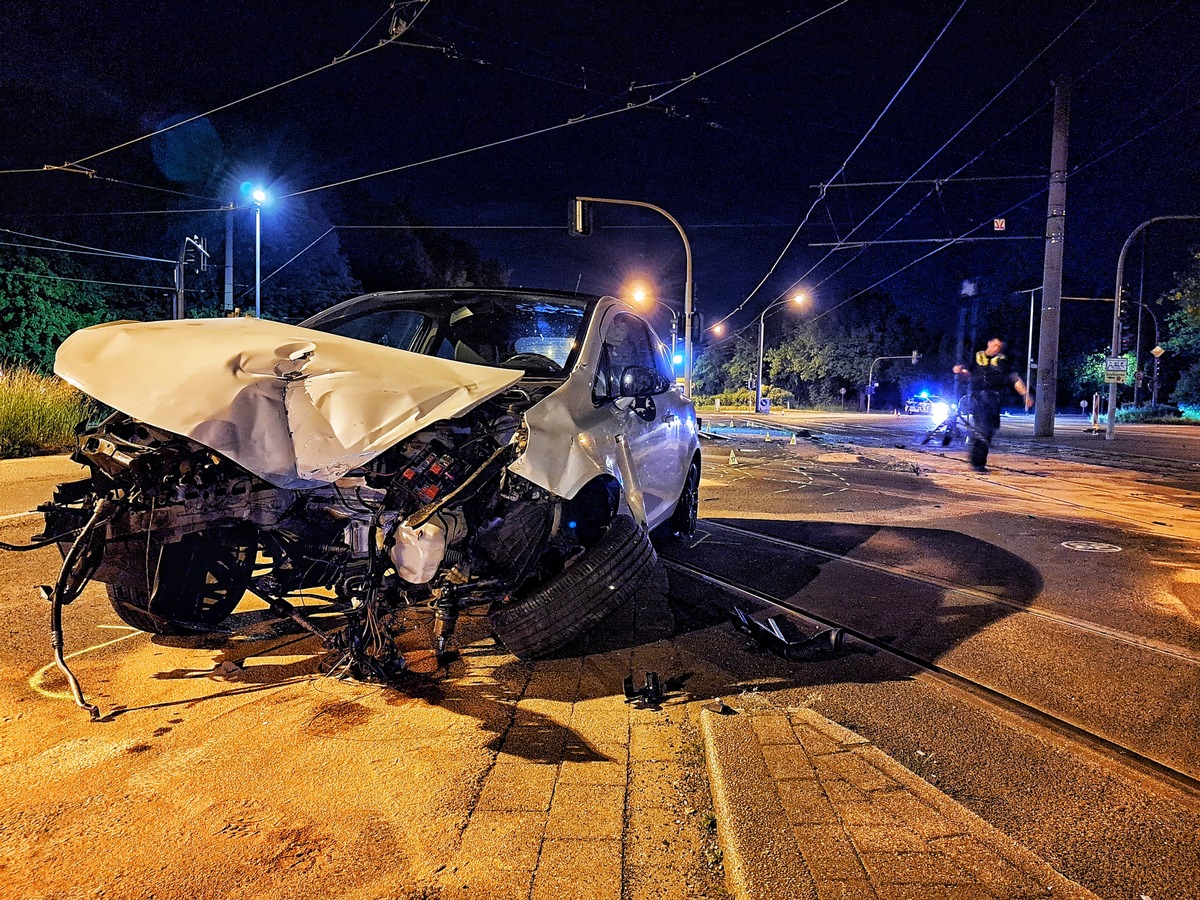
[(574, 601), (182, 588)]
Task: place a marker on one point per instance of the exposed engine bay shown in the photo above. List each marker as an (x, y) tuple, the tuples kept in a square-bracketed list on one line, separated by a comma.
[(436, 520)]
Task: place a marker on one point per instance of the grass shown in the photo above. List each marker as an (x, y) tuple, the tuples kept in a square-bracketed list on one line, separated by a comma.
[(38, 413)]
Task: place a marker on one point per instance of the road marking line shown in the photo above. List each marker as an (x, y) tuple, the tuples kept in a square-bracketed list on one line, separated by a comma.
[(24, 515)]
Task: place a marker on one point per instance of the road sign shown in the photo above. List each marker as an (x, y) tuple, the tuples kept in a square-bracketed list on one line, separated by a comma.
[(998, 224), (1116, 370), (1157, 352)]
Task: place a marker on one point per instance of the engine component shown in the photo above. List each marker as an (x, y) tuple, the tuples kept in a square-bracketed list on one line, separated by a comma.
[(417, 553)]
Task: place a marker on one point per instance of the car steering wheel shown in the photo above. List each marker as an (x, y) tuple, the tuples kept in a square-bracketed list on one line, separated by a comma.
[(533, 361)]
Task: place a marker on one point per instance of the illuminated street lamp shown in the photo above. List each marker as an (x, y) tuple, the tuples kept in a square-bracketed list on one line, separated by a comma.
[(259, 196), (797, 299)]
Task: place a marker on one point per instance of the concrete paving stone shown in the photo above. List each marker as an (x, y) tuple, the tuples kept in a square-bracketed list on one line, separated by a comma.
[(655, 783), (587, 811), (657, 742), (474, 882), (850, 889), (786, 761), (804, 803), (556, 683), (853, 768), (814, 742), (938, 892), (601, 764), (828, 853), (604, 721), (542, 741), (602, 674), (863, 814), (517, 786), (884, 838), (838, 734), (655, 883), (839, 792), (774, 729), (578, 870), (505, 840), (652, 838), (532, 709), (983, 862), (921, 817), (926, 867)]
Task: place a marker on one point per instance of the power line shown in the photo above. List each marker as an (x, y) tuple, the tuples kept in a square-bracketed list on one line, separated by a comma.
[(225, 106), (937, 152), (842, 168), (589, 117), (153, 287), (132, 212), (933, 181), (115, 253)]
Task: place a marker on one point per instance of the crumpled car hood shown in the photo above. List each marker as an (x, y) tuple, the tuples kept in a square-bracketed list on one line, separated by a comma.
[(297, 407)]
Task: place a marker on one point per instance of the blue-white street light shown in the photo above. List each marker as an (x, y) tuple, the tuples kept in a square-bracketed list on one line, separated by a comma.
[(259, 196)]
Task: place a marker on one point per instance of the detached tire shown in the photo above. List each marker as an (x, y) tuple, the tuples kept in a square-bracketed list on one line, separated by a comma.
[(577, 599), (191, 587)]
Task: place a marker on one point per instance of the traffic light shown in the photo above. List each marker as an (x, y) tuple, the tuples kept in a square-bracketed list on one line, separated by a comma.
[(579, 218)]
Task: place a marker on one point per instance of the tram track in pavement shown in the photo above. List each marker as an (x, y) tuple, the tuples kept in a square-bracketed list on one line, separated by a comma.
[(1024, 715), (1124, 637)]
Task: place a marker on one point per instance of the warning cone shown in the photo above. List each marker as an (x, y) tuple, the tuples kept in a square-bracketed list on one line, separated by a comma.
[(733, 459), (793, 439), (768, 435)]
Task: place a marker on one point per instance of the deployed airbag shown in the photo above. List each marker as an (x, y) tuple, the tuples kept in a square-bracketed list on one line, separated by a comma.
[(297, 407)]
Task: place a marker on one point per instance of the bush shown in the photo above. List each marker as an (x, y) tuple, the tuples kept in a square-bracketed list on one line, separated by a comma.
[(744, 398), (38, 413), (1151, 415)]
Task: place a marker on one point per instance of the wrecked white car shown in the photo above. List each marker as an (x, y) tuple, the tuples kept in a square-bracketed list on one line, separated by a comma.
[(447, 448)]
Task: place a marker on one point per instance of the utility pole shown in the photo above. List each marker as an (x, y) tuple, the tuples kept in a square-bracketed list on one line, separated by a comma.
[(1056, 212), (199, 245)]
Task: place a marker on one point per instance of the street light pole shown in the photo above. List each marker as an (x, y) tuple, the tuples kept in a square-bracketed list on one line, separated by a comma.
[(687, 287), (762, 330), (1111, 426), (1029, 354), (260, 197)]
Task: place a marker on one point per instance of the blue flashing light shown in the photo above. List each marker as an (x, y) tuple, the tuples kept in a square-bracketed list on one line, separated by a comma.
[(677, 359), (924, 395), (572, 524)]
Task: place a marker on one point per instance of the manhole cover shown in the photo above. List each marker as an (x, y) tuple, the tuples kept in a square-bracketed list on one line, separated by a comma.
[(1091, 547)]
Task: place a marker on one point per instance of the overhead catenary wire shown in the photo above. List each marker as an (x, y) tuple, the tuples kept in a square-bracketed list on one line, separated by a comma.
[(216, 109), (589, 117), (938, 152), (114, 253), (846, 162)]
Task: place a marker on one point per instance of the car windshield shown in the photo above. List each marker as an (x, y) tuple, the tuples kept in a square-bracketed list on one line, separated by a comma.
[(511, 329)]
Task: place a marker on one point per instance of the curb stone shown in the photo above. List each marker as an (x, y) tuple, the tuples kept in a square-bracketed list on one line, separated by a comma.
[(808, 809)]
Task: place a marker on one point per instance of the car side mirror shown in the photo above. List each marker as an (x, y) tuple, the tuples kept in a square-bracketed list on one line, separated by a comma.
[(642, 381)]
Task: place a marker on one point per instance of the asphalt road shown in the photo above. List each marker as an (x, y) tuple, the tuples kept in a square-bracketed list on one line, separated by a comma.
[(265, 767)]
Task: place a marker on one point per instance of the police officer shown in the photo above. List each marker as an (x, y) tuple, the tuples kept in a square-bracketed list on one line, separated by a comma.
[(991, 375)]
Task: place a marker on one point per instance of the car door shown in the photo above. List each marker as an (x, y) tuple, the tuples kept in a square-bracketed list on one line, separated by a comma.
[(650, 429)]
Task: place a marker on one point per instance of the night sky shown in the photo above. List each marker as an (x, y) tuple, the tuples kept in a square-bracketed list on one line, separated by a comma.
[(733, 154)]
